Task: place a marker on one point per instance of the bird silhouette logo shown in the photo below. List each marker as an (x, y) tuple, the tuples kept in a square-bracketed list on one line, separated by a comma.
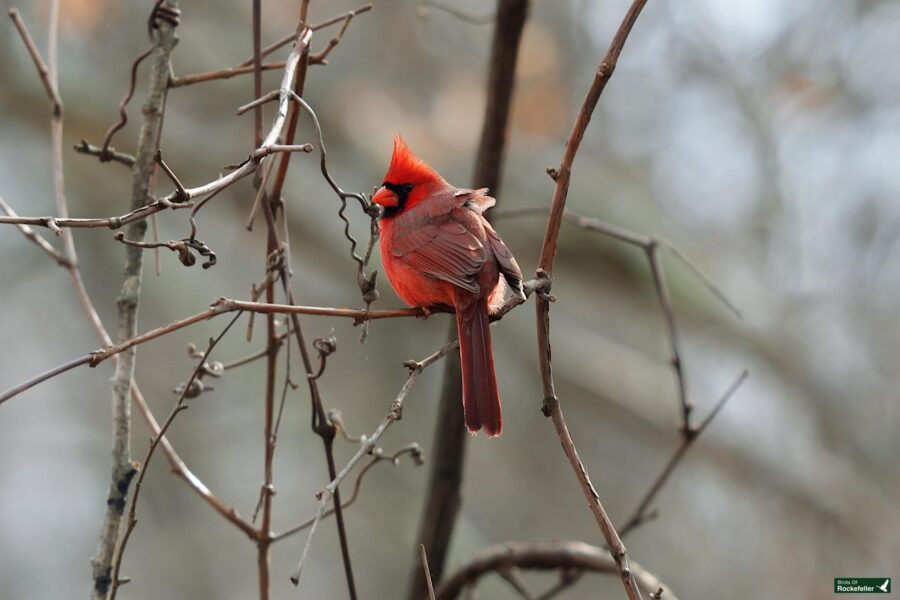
[(885, 587)]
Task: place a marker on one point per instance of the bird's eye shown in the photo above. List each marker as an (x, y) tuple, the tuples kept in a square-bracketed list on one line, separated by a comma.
[(407, 188)]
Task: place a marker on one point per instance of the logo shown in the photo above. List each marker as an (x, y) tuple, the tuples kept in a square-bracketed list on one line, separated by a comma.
[(862, 585)]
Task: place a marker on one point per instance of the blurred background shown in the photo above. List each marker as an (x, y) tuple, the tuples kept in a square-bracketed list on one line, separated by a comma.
[(760, 137)]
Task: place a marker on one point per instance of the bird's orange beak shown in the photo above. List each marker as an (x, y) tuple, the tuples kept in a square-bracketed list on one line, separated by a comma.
[(385, 197)]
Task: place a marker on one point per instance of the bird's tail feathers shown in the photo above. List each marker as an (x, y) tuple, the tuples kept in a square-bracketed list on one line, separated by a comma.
[(481, 402)]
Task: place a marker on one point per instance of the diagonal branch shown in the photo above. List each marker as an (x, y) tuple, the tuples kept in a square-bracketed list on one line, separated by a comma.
[(48, 78), (154, 444), (246, 67), (378, 456), (30, 233), (394, 414), (552, 407), (642, 512)]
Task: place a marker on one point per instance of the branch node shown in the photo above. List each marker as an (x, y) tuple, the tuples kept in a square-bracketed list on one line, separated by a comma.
[(414, 365), (181, 193), (54, 227), (606, 68), (549, 402)]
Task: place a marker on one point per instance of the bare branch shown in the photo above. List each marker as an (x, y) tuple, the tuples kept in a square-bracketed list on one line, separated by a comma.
[(180, 469), (40, 65), (29, 233), (162, 12), (111, 153), (163, 42), (145, 464), (179, 197), (642, 512), (378, 456), (287, 39), (246, 66), (55, 223), (394, 414), (178, 466), (552, 406), (25, 385), (424, 7), (542, 556), (226, 305), (427, 571)]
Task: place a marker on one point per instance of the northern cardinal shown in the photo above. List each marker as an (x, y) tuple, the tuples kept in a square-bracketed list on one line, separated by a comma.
[(438, 248)]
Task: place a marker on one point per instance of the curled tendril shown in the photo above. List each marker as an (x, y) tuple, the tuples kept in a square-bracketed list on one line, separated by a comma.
[(373, 211), (182, 247)]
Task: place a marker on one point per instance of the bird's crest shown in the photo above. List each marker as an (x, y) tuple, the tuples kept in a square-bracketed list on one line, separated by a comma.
[(406, 167)]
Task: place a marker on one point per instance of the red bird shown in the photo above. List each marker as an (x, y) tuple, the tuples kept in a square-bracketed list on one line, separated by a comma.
[(437, 248)]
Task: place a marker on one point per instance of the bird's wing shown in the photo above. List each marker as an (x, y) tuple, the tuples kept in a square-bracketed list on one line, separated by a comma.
[(476, 200), (445, 247), (479, 201), (505, 259)]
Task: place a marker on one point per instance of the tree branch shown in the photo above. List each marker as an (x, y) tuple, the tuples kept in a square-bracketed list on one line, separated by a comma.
[(30, 233), (542, 556), (47, 78), (123, 470), (394, 414), (154, 444), (552, 406), (642, 512)]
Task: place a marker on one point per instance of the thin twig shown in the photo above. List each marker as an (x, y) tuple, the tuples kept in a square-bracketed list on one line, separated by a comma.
[(111, 153), (641, 512), (154, 444), (541, 556), (425, 5), (56, 223), (365, 282), (552, 407), (246, 67), (163, 11), (646, 242), (179, 197), (29, 233), (26, 385), (322, 55), (651, 246), (40, 65), (181, 470), (427, 571), (510, 573), (322, 25), (178, 466), (226, 305), (567, 578), (378, 456), (394, 414)]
